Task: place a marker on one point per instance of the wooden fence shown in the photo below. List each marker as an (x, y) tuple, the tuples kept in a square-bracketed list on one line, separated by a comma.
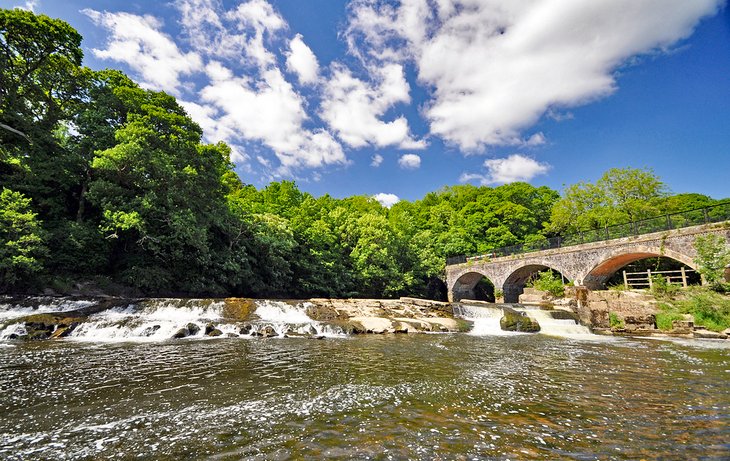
[(644, 279)]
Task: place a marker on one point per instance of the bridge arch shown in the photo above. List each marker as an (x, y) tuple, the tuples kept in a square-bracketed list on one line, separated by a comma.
[(465, 287), (514, 284), (597, 276)]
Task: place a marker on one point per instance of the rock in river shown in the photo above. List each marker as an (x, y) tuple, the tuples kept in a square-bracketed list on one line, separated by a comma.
[(515, 321)]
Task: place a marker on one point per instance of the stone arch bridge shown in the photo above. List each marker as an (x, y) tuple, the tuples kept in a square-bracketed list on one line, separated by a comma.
[(589, 265)]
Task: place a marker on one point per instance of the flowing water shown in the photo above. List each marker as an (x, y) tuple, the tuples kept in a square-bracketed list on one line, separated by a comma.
[(486, 321), (416, 396), (159, 319)]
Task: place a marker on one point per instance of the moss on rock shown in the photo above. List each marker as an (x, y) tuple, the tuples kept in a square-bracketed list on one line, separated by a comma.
[(514, 321)]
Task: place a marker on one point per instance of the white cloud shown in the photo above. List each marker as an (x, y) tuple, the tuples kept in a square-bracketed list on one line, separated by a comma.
[(302, 61), (514, 168), (258, 14), (270, 111), (387, 200), (29, 5), (201, 23), (377, 159), (409, 161), (137, 42), (259, 104), (352, 107), (496, 67)]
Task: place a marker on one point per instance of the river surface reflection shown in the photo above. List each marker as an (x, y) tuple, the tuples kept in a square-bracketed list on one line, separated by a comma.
[(379, 397)]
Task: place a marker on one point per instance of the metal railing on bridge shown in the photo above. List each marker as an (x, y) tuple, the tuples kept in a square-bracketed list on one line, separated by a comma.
[(711, 214)]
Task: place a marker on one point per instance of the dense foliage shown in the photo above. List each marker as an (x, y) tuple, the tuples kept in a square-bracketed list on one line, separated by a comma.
[(108, 183)]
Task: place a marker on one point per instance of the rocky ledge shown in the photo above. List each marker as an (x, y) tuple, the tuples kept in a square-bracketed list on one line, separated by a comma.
[(238, 317), (404, 315)]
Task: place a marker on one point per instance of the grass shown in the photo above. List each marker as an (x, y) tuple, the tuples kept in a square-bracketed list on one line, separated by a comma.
[(664, 320), (618, 287), (709, 309)]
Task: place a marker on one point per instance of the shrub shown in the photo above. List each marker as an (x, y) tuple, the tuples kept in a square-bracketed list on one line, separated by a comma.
[(615, 321), (709, 310), (660, 287), (550, 282)]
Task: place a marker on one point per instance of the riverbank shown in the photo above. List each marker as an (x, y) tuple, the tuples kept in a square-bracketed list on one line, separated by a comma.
[(158, 319), (694, 312)]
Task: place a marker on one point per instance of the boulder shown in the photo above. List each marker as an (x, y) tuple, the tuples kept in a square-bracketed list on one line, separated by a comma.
[(683, 326), (400, 327), (238, 308), (707, 334), (181, 333), (375, 325), (215, 332), (245, 329), (515, 321), (149, 331), (324, 313), (188, 330), (560, 314), (534, 296), (265, 332), (640, 322)]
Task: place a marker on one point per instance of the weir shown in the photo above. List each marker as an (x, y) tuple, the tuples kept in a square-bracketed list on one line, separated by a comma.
[(163, 319), (486, 319)]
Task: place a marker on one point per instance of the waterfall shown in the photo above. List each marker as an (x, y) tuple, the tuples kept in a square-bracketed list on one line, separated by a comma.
[(10, 309), (288, 319), (567, 328), (485, 320), (163, 319), (150, 320)]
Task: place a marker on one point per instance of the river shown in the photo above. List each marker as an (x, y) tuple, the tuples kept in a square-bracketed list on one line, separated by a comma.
[(415, 396)]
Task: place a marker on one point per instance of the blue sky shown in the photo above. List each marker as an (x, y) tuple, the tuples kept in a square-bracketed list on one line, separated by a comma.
[(404, 97)]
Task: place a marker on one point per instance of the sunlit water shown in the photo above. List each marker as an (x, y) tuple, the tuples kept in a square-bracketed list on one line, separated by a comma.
[(445, 396)]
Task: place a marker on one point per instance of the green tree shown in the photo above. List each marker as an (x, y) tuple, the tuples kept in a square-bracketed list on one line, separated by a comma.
[(620, 195), (713, 257), (161, 196), (21, 244)]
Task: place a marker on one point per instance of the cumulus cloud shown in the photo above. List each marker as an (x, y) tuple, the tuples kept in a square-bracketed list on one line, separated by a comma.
[(301, 61), (497, 67), (376, 160), (137, 42), (243, 97), (387, 200), (409, 161), (353, 107), (513, 168), (270, 111)]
